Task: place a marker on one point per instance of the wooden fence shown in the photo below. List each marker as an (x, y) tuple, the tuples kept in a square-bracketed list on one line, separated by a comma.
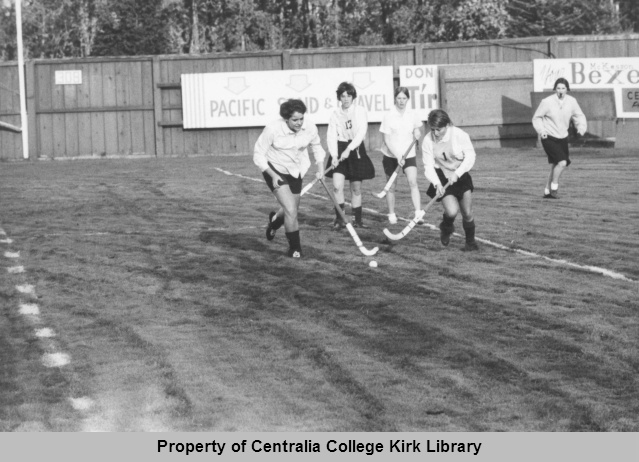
[(132, 106)]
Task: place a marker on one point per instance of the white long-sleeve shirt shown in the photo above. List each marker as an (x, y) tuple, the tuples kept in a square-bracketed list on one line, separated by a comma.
[(553, 116), (454, 153), (399, 130), (350, 125), (287, 150)]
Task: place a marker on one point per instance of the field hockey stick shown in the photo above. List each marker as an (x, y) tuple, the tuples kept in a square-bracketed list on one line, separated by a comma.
[(312, 183), (413, 222), (349, 226), (390, 181)]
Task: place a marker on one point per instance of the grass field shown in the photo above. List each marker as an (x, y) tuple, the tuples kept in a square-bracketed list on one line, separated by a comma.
[(175, 313)]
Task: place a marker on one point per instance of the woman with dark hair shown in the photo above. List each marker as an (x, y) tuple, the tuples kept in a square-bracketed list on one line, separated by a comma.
[(345, 140), (281, 153), (551, 121), (400, 127), (448, 156)]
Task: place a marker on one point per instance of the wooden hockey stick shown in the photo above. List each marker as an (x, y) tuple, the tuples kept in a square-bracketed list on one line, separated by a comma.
[(312, 183), (413, 222), (349, 226), (390, 181)]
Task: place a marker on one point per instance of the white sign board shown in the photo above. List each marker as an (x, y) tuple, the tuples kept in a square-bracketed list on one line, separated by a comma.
[(423, 83), (68, 77), (619, 74), (252, 99)]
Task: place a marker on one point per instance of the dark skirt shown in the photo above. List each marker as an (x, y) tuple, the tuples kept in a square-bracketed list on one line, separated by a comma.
[(556, 149), (357, 167), (465, 183)]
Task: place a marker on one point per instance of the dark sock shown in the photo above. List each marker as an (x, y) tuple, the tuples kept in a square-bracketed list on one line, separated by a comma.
[(294, 240), (357, 211), (337, 215), (278, 222), (447, 224), (469, 229)]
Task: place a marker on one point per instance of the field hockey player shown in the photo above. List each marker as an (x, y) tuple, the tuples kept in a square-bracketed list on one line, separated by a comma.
[(448, 156), (281, 154), (551, 121), (345, 140), (400, 128)]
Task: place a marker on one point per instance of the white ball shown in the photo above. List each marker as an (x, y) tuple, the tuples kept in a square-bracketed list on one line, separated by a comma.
[(373, 264)]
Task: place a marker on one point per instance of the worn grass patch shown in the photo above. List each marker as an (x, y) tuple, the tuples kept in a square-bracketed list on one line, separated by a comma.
[(179, 315)]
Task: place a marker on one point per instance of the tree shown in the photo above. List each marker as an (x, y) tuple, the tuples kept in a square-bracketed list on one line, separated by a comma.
[(131, 27), (561, 17), (629, 15)]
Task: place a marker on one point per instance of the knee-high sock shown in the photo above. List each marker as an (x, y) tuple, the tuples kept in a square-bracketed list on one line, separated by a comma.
[(294, 240), (447, 224), (357, 211), (469, 229)]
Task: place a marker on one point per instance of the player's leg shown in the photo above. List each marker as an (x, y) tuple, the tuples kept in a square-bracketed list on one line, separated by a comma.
[(390, 202), (556, 174), (290, 205), (356, 203), (411, 176), (468, 221), (447, 225), (338, 192)]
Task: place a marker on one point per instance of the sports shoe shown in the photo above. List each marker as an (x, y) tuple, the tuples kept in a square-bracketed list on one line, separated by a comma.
[(548, 196), (445, 233), (359, 224), (270, 230), (420, 221), (392, 218), (470, 246), (553, 194), (294, 253), (338, 224)]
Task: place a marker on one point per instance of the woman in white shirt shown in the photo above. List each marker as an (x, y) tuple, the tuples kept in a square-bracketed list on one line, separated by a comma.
[(281, 154), (345, 139), (400, 127), (551, 121), (448, 156)]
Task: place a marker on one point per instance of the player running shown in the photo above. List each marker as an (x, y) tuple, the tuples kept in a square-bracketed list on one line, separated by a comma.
[(281, 153), (448, 156)]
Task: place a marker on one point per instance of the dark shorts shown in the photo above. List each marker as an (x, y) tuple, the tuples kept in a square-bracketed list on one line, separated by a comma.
[(357, 167), (465, 183), (556, 149), (295, 183), (391, 163)]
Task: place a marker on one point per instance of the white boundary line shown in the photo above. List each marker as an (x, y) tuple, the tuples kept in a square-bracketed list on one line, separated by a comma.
[(31, 311), (592, 269)]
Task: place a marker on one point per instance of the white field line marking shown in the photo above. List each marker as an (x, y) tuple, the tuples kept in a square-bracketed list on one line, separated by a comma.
[(33, 310), (81, 404), (45, 332), (593, 269), (29, 309), (55, 359), (25, 289)]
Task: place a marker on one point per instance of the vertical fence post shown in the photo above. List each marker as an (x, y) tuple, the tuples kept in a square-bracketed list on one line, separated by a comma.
[(157, 107), (443, 103), (553, 47), (286, 60), (419, 54), (31, 110)]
